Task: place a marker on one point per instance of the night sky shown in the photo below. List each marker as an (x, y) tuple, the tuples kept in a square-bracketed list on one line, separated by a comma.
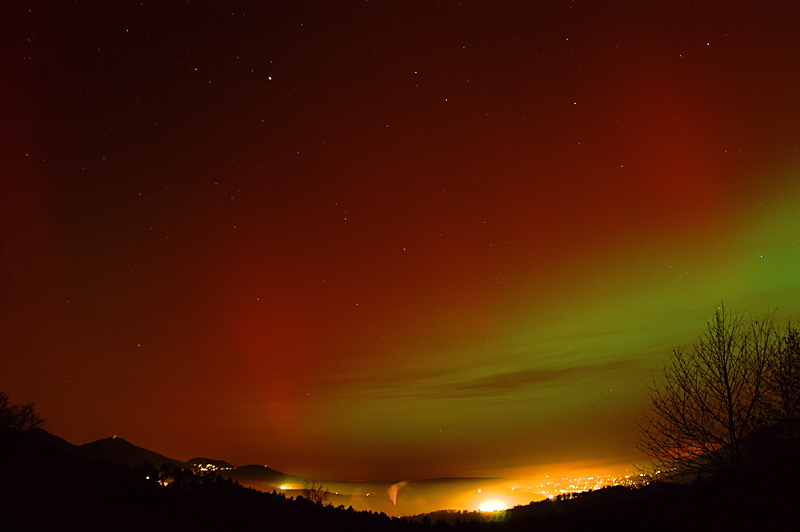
[(392, 240)]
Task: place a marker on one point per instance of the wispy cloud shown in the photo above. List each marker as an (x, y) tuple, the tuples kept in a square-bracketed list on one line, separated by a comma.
[(443, 384), (509, 382)]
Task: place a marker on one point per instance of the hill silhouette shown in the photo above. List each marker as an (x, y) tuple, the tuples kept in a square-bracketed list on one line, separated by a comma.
[(51, 440), (44, 487), (120, 451), (114, 450), (257, 473), (47, 483), (262, 478)]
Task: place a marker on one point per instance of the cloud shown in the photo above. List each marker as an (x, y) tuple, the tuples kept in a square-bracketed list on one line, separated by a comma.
[(409, 384), (508, 382)]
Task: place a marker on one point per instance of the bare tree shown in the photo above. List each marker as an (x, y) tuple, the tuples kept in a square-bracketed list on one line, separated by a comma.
[(15, 416), (783, 384), (315, 492), (709, 406)]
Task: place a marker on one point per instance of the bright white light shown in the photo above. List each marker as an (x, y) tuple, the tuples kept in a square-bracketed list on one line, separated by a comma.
[(493, 506), (286, 487)]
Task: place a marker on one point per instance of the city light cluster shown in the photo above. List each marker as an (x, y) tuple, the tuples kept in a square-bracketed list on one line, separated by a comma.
[(572, 486)]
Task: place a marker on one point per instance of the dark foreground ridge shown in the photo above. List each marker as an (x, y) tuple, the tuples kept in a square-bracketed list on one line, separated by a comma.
[(45, 485)]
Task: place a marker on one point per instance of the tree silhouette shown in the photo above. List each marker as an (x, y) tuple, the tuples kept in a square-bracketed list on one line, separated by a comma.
[(783, 384), (711, 404), (19, 417), (315, 492)]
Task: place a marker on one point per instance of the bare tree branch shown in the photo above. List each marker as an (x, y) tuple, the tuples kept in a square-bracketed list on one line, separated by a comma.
[(710, 405), (15, 416), (315, 492)]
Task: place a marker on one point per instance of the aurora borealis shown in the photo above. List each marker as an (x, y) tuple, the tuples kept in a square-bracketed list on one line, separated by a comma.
[(386, 240)]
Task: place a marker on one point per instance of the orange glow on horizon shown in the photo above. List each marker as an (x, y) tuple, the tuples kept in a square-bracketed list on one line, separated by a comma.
[(493, 505)]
